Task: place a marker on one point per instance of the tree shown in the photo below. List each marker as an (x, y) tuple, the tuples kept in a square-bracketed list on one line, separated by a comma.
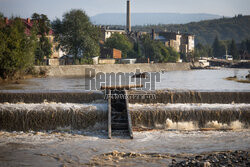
[(121, 42), (233, 50), (203, 50), (245, 46), (76, 35), (16, 49), (41, 23), (219, 48), (156, 51), (41, 26), (1, 20)]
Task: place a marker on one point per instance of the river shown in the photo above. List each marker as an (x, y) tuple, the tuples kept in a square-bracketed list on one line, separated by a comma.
[(195, 80)]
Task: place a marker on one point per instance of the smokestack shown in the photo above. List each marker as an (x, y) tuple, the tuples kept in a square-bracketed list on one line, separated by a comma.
[(153, 34), (28, 20), (128, 17), (6, 20)]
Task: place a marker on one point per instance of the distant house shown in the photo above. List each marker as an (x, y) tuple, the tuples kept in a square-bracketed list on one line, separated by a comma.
[(110, 53), (108, 56), (183, 43), (128, 61), (107, 33)]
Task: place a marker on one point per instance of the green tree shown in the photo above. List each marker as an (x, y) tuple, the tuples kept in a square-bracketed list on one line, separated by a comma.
[(156, 51), (121, 42), (245, 46), (137, 50), (233, 50), (41, 26), (41, 23), (219, 48), (1, 20), (76, 35), (203, 50), (16, 49)]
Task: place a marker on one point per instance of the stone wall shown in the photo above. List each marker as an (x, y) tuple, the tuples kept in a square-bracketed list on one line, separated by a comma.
[(80, 70)]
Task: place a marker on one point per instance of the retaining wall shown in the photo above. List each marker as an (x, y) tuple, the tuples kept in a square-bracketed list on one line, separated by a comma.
[(80, 70)]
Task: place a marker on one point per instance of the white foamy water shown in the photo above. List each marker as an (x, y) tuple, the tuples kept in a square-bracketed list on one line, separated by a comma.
[(182, 106), (78, 148), (55, 106), (191, 116)]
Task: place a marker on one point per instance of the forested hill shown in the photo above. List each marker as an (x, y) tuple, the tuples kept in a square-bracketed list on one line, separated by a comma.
[(237, 28), (150, 18)]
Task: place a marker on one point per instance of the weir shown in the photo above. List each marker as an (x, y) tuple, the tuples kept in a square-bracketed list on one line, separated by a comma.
[(89, 110), (190, 116), (162, 96)]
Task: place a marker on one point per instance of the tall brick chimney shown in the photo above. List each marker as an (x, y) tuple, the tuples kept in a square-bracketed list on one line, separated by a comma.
[(6, 20), (128, 27), (28, 20), (153, 34)]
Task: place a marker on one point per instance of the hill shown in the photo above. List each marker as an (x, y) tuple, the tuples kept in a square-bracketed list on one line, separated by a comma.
[(150, 18), (237, 28)]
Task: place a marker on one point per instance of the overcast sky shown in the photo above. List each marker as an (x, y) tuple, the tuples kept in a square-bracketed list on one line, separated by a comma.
[(56, 8)]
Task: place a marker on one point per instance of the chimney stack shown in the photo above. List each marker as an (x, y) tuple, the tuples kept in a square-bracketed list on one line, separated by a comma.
[(153, 34), (128, 17), (6, 20), (28, 20)]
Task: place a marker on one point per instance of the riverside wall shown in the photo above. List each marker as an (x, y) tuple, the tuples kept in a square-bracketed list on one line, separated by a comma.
[(80, 70)]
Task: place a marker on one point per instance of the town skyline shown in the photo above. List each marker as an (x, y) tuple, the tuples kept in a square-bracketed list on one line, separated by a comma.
[(55, 9)]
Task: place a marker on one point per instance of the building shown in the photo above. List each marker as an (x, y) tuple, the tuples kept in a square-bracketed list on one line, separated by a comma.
[(183, 43), (107, 33), (128, 61), (187, 43), (110, 53)]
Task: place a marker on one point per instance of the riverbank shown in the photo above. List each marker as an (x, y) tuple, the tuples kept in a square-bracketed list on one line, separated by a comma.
[(223, 158)]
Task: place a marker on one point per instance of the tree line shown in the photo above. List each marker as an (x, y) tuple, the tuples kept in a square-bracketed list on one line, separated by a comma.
[(220, 48), (142, 49), (74, 34)]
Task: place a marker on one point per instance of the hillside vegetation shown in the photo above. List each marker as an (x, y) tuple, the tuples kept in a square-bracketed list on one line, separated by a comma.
[(237, 28), (150, 18)]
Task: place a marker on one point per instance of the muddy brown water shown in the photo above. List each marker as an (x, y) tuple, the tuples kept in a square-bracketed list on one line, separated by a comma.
[(71, 138), (155, 148), (194, 80)]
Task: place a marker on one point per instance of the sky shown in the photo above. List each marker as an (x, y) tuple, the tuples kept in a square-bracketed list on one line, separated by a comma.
[(56, 8)]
